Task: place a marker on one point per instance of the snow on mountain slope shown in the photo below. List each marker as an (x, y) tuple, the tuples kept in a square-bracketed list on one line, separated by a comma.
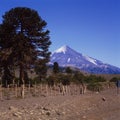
[(62, 49), (65, 56), (90, 60)]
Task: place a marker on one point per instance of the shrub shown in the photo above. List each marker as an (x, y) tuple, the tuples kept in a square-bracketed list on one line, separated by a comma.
[(94, 87)]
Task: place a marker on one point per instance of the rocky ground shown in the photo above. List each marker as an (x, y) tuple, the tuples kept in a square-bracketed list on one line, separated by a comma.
[(90, 106)]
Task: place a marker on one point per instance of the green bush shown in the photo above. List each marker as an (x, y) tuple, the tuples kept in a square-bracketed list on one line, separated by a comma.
[(114, 79), (94, 79), (94, 87), (51, 80)]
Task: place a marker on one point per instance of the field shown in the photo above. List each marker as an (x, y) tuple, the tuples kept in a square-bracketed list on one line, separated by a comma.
[(104, 105)]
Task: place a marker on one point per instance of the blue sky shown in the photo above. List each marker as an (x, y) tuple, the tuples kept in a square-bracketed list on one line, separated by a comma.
[(91, 27)]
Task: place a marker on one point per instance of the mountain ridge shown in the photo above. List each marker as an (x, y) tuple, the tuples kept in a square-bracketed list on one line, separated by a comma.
[(66, 56)]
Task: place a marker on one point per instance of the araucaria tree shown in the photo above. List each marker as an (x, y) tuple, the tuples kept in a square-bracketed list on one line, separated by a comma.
[(23, 40), (55, 68)]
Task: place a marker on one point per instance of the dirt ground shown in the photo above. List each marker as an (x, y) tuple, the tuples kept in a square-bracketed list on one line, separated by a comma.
[(90, 106)]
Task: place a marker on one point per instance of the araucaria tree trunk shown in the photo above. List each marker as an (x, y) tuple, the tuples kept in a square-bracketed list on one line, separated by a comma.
[(22, 81)]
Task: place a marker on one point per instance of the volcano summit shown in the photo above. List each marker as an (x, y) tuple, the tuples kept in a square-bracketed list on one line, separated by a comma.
[(66, 56)]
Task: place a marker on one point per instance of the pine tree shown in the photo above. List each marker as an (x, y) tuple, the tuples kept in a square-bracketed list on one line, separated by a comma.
[(23, 39), (68, 70), (55, 68)]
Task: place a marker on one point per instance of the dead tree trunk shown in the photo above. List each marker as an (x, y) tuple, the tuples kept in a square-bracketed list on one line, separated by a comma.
[(35, 88), (23, 91), (63, 90), (47, 91), (16, 90), (29, 86), (1, 92)]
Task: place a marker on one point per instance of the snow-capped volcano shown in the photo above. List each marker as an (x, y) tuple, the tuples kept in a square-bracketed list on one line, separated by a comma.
[(65, 56)]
